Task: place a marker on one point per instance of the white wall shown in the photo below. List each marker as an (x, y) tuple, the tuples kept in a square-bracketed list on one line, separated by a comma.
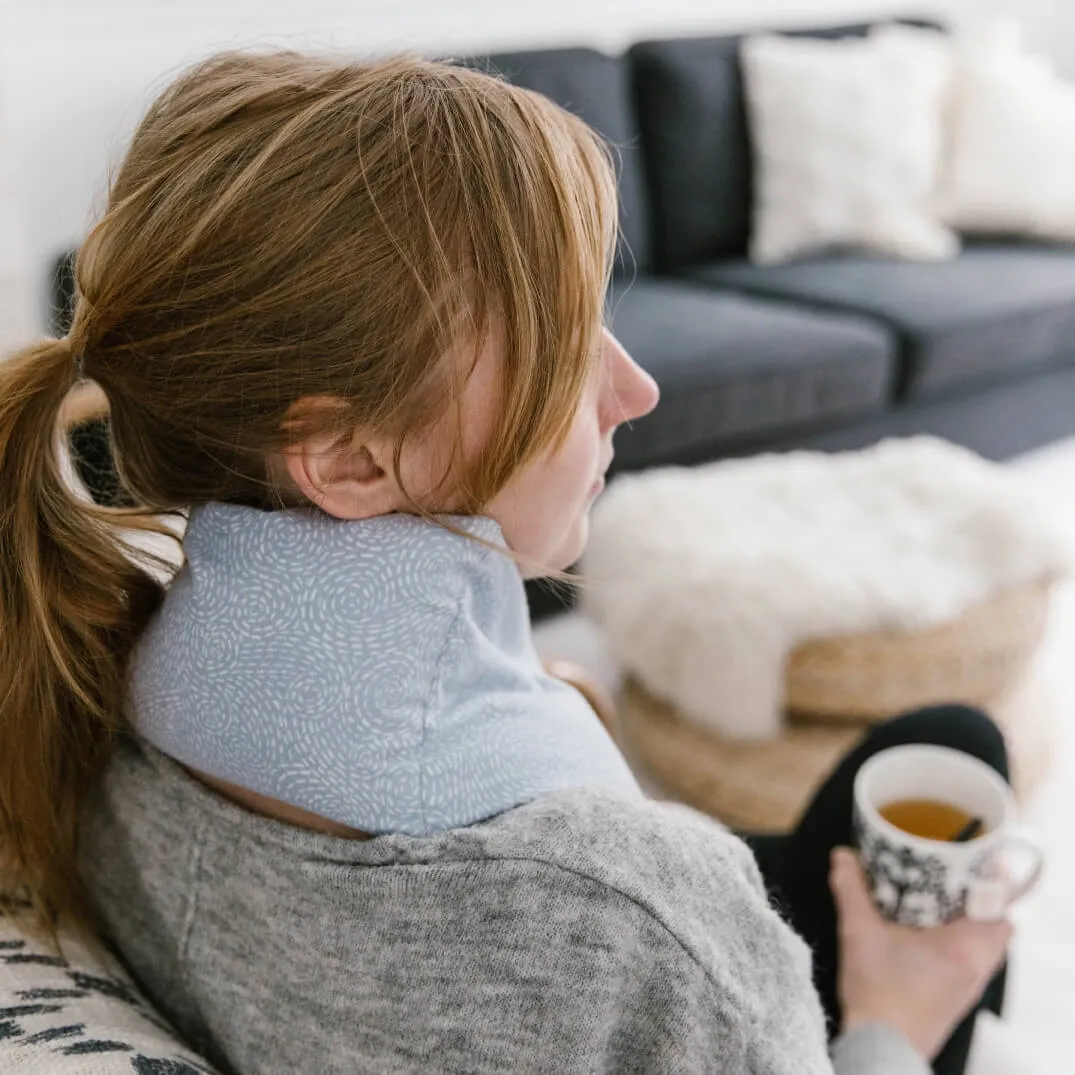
[(75, 75)]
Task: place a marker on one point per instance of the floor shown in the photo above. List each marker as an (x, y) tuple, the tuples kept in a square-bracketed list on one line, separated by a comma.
[(1037, 1036)]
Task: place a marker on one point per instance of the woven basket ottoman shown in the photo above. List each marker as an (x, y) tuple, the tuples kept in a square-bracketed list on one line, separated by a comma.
[(976, 658), (767, 610)]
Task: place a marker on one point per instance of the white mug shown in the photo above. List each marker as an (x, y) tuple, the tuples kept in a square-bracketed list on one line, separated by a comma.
[(922, 882)]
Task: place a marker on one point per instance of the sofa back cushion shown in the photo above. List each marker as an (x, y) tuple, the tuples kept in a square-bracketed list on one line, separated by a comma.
[(594, 86), (688, 96)]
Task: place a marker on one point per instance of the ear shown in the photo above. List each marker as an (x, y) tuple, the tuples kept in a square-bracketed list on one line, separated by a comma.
[(345, 477)]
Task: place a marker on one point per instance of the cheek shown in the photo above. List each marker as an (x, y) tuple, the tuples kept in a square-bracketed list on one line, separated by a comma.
[(570, 474), (543, 507)]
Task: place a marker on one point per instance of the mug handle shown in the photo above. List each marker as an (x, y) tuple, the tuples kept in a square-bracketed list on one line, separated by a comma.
[(989, 898)]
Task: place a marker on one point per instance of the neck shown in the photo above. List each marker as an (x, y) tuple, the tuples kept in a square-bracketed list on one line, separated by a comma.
[(571, 674), (276, 809), (360, 678)]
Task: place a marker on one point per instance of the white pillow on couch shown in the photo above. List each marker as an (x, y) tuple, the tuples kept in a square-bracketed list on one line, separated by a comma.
[(1011, 162), (848, 138)]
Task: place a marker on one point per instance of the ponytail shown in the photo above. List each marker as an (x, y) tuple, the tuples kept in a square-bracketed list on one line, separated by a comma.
[(73, 597)]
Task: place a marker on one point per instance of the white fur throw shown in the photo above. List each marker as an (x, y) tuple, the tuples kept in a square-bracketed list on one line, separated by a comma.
[(705, 579)]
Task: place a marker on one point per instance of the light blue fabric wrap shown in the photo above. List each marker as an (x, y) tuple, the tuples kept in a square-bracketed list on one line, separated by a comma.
[(379, 673)]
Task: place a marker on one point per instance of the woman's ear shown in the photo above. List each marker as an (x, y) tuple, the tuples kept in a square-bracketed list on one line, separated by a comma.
[(345, 477)]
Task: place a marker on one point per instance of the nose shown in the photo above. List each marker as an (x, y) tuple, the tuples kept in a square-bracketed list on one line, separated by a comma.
[(632, 392)]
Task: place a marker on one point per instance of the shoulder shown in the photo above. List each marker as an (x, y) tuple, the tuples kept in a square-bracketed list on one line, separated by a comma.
[(613, 856), (620, 836), (660, 896), (686, 896), (679, 867)]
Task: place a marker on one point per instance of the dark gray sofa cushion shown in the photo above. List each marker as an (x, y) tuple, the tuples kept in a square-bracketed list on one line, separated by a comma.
[(996, 309), (595, 87), (688, 94), (732, 366), (689, 100)]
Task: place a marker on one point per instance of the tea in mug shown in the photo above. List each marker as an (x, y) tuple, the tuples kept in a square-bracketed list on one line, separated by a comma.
[(928, 818)]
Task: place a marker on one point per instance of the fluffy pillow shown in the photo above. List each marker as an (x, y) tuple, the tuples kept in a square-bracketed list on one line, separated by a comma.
[(1011, 163), (848, 143)]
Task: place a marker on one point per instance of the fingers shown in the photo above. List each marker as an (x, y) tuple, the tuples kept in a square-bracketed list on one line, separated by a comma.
[(854, 905), (1002, 939), (979, 946), (998, 940), (984, 944), (990, 935), (1001, 932)]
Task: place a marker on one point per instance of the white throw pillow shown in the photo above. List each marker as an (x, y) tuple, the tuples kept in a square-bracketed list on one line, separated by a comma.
[(1011, 163), (848, 139)]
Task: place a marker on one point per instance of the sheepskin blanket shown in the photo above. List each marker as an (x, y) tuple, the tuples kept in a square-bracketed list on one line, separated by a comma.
[(706, 579)]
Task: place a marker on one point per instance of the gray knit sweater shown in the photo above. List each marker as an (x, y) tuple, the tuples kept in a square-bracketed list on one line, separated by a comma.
[(583, 932)]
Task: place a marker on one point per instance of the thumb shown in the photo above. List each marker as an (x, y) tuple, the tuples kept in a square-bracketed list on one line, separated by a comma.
[(854, 906)]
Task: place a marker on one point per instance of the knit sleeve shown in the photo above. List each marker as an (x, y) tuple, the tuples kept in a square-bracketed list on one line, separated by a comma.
[(876, 1049), (743, 981)]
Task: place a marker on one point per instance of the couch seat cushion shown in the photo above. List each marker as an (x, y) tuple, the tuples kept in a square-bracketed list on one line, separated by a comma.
[(998, 309), (732, 367)]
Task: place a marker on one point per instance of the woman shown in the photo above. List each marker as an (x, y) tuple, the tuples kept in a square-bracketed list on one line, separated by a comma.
[(320, 793)]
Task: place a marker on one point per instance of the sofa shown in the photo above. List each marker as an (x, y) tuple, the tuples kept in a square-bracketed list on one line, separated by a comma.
[(829, 352)]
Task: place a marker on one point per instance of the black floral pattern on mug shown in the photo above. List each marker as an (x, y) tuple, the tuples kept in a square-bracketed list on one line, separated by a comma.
[(909, 886)]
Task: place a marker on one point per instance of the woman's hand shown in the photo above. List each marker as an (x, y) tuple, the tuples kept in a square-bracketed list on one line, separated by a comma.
[(921, 981)]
